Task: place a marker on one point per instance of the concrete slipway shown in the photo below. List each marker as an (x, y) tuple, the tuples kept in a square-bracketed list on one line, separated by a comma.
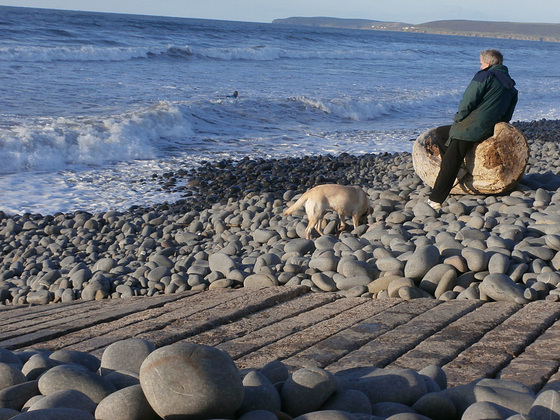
[(469, 339)]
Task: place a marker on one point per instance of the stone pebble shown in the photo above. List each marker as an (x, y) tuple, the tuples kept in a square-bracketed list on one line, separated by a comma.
[(228, 232), (187, 380)]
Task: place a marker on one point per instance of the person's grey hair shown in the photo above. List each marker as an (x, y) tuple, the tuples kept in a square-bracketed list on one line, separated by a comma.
[(492, 57)]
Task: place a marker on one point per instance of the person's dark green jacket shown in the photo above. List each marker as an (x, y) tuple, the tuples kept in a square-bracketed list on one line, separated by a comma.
[(489, 99)]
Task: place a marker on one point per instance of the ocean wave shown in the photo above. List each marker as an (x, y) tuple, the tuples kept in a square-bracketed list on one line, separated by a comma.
[(66, 53), (112, 52), (368, 109), (195, 126), (62, 143)]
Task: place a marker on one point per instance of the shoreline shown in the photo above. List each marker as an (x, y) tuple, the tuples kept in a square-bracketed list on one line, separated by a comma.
[(479, 249), (214, 239)]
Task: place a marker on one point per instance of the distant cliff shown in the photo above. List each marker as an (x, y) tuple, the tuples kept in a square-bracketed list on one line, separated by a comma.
[(511, 30)]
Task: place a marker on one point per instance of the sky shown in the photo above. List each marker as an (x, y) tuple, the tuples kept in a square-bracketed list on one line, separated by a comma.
[(408, 11)]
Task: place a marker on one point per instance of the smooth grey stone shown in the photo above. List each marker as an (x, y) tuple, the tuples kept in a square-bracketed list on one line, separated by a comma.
[(324, 263), (183, 238), (351, 241), (276, 372), (497, 242), (436, 406), (8, 357), (406, 416), (259, 394), (500, 287), (388, 409), (69, 398), (40, 297), (68, 296), (32, 401), (80, 277), (423, 209), (55, 414), (16, 396), (327, 415), (486, 410), (409, 293), (104, 264), (437, 374), (546, 406), (472, 234), (325, 242), (221, 262), (351, 282), (266, 260), (76, 377), (516, 271), (398, 284), (356, 291), (421, 261), (356, 268), (498, 263), (306, 390), (37, 364), (324, 282), (349, 400), (76, 357), (519, 402), (94, 290), (260, 280), (122, 378), (553, 241), (126, 404), (161, 260), (264, 235), (8, 413), (10, 376), (477, 259), (158, 273), (258, 415), (300, 245), (551, 278), (191, 380), (403, 386), (436, 275), (125, 355), (389, 264), (221, 284), (541, 252)]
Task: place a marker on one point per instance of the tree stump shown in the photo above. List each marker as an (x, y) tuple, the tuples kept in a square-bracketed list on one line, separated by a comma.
[(492, 166)]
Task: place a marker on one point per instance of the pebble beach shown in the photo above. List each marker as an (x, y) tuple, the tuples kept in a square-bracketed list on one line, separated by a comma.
[(228, 231)]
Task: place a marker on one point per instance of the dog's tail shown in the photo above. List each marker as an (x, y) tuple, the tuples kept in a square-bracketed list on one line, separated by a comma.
[(297, 205)]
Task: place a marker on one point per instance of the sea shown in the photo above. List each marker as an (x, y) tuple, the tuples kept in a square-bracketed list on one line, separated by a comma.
[(91, 104)]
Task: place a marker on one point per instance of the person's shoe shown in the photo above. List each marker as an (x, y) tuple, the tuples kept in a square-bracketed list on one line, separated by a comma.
[(434, 205)]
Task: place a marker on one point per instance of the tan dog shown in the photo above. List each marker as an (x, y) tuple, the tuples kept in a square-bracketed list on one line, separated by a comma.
[(345, 200)]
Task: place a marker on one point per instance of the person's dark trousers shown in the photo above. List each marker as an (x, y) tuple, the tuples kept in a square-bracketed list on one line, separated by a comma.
[(451, 161)]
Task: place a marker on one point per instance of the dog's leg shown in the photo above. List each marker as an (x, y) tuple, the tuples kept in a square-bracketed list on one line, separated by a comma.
[(313, 224), (342, 224), (356, 220), (319, 225)]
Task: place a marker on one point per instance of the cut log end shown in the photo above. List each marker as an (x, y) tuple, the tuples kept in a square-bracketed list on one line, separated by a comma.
[(492, 166)]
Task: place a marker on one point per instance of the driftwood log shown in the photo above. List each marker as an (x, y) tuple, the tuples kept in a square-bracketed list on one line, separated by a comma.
[(492, 166)]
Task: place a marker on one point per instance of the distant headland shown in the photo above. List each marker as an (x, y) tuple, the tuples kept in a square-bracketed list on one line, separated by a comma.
[(510, 30)]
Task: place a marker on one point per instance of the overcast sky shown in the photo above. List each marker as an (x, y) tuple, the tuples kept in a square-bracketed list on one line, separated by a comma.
[(408, 11)]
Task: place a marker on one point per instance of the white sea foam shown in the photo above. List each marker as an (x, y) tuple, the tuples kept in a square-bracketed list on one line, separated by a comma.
[(53, 145)]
